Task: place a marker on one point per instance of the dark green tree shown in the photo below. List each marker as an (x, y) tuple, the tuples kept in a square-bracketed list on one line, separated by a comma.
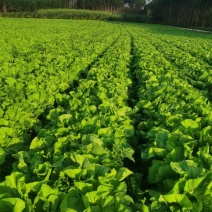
[(189, 13)]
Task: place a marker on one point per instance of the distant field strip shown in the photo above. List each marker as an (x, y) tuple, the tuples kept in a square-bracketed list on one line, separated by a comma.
[(99, 116)]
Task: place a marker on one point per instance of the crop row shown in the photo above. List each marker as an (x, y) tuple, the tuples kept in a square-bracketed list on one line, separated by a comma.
[(195, 70), (175, 135), (35, 65), (99, 116), (190, 56), (76, 160), (197, 47)]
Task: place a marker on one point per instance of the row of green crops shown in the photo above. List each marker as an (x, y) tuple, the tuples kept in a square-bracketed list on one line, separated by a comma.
[(75, 160), (35, 64), (101, 117), (193, 65), (175, 127)]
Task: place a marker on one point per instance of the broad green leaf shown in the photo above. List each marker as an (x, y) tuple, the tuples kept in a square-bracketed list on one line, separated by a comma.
[(189, 123), (77, 158), (105, 131), (197, 205), (12, 204), (74, 104), (129, 130), (204, 187), (187, 167), (173, 120), (95, 208), (46, 190), (8, 131), (154, 152), (53, 114), (181, 199), (144, 208), (104, 190), (177, 154), (53, 201), (202, 194), (3, 122), (71, 202), (59, 98), (65, 117), (109, 200), (84, 187), (10, 81), (205, 134), (93, 108), (178, 186), (98, 150), (121, 188), (37, 143), (128, 153), (205, 156), (161, 138), (119, 207), (64, 86), (160, 171), (104, 180), (14, 179), (147, 105), (34, 187), (73, 173), (123, 173), (92, 196), (91, 138), (43, 171), (127, 200)]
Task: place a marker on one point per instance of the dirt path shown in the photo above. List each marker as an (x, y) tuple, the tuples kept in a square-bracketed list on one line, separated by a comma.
[(196, 30)]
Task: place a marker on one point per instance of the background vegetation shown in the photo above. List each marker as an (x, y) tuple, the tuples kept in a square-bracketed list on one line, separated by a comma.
[(189, 13), (79, 14), (103, 5)]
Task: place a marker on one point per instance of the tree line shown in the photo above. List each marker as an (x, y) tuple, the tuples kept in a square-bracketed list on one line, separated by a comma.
[(188, 13), (104, 5)]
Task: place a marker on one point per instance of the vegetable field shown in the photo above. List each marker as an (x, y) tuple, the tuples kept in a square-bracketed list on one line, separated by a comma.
[(99, 117)]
